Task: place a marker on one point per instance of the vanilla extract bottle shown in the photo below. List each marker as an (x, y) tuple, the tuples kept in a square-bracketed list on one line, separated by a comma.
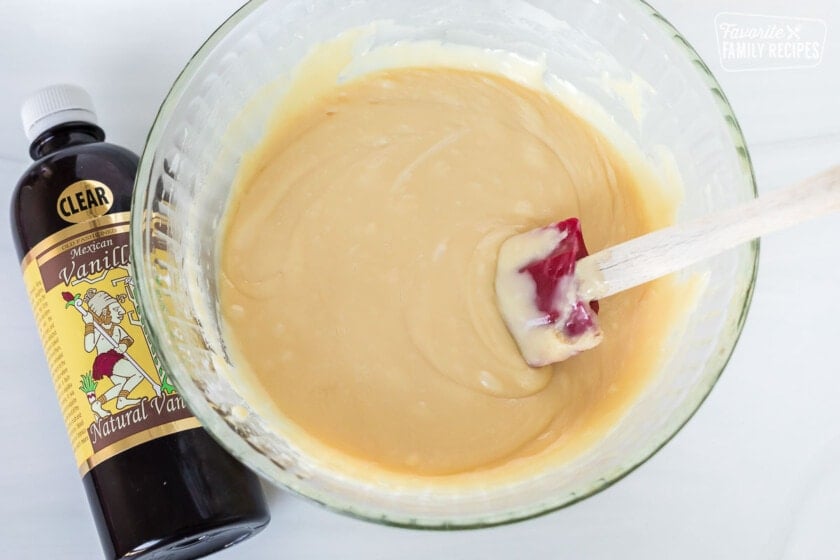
[(158, 485)]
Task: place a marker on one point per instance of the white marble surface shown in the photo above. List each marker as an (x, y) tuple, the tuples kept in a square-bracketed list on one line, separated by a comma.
[(755, 474)]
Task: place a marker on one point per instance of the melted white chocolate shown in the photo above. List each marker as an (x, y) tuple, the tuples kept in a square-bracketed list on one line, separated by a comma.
[(358, 267)]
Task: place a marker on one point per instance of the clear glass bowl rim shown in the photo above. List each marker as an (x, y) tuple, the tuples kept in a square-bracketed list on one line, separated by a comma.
[(218, 428)]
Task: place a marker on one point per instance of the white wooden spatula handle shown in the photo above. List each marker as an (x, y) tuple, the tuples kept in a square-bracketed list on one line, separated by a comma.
[(671, 249)]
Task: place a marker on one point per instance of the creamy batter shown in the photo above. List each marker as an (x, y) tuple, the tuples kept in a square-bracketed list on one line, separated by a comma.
[(358, 262)]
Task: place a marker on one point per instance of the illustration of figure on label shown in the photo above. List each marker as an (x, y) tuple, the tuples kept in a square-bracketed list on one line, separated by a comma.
[(102, 314)]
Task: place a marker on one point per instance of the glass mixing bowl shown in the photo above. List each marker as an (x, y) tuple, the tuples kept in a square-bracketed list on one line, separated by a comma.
[(668, 98)]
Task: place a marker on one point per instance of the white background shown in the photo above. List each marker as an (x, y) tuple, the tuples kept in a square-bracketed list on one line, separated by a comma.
[(755, 474)]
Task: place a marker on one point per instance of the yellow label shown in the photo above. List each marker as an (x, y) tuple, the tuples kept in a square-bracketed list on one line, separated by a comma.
[(84, 200), (112, 392)]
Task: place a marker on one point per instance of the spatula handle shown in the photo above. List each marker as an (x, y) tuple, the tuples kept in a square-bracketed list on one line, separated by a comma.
[(668, 250)]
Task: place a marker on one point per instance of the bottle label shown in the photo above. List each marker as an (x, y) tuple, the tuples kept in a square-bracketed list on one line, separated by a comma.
[(111, 388), (84, 200)]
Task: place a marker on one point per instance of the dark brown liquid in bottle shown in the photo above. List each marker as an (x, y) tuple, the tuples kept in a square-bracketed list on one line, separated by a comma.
[(179, 496)]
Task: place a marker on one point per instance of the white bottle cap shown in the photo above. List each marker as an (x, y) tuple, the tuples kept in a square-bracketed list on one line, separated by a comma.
[(53, 106)]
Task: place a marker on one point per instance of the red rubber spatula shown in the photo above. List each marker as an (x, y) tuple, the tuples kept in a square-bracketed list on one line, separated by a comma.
[(547, 287)]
